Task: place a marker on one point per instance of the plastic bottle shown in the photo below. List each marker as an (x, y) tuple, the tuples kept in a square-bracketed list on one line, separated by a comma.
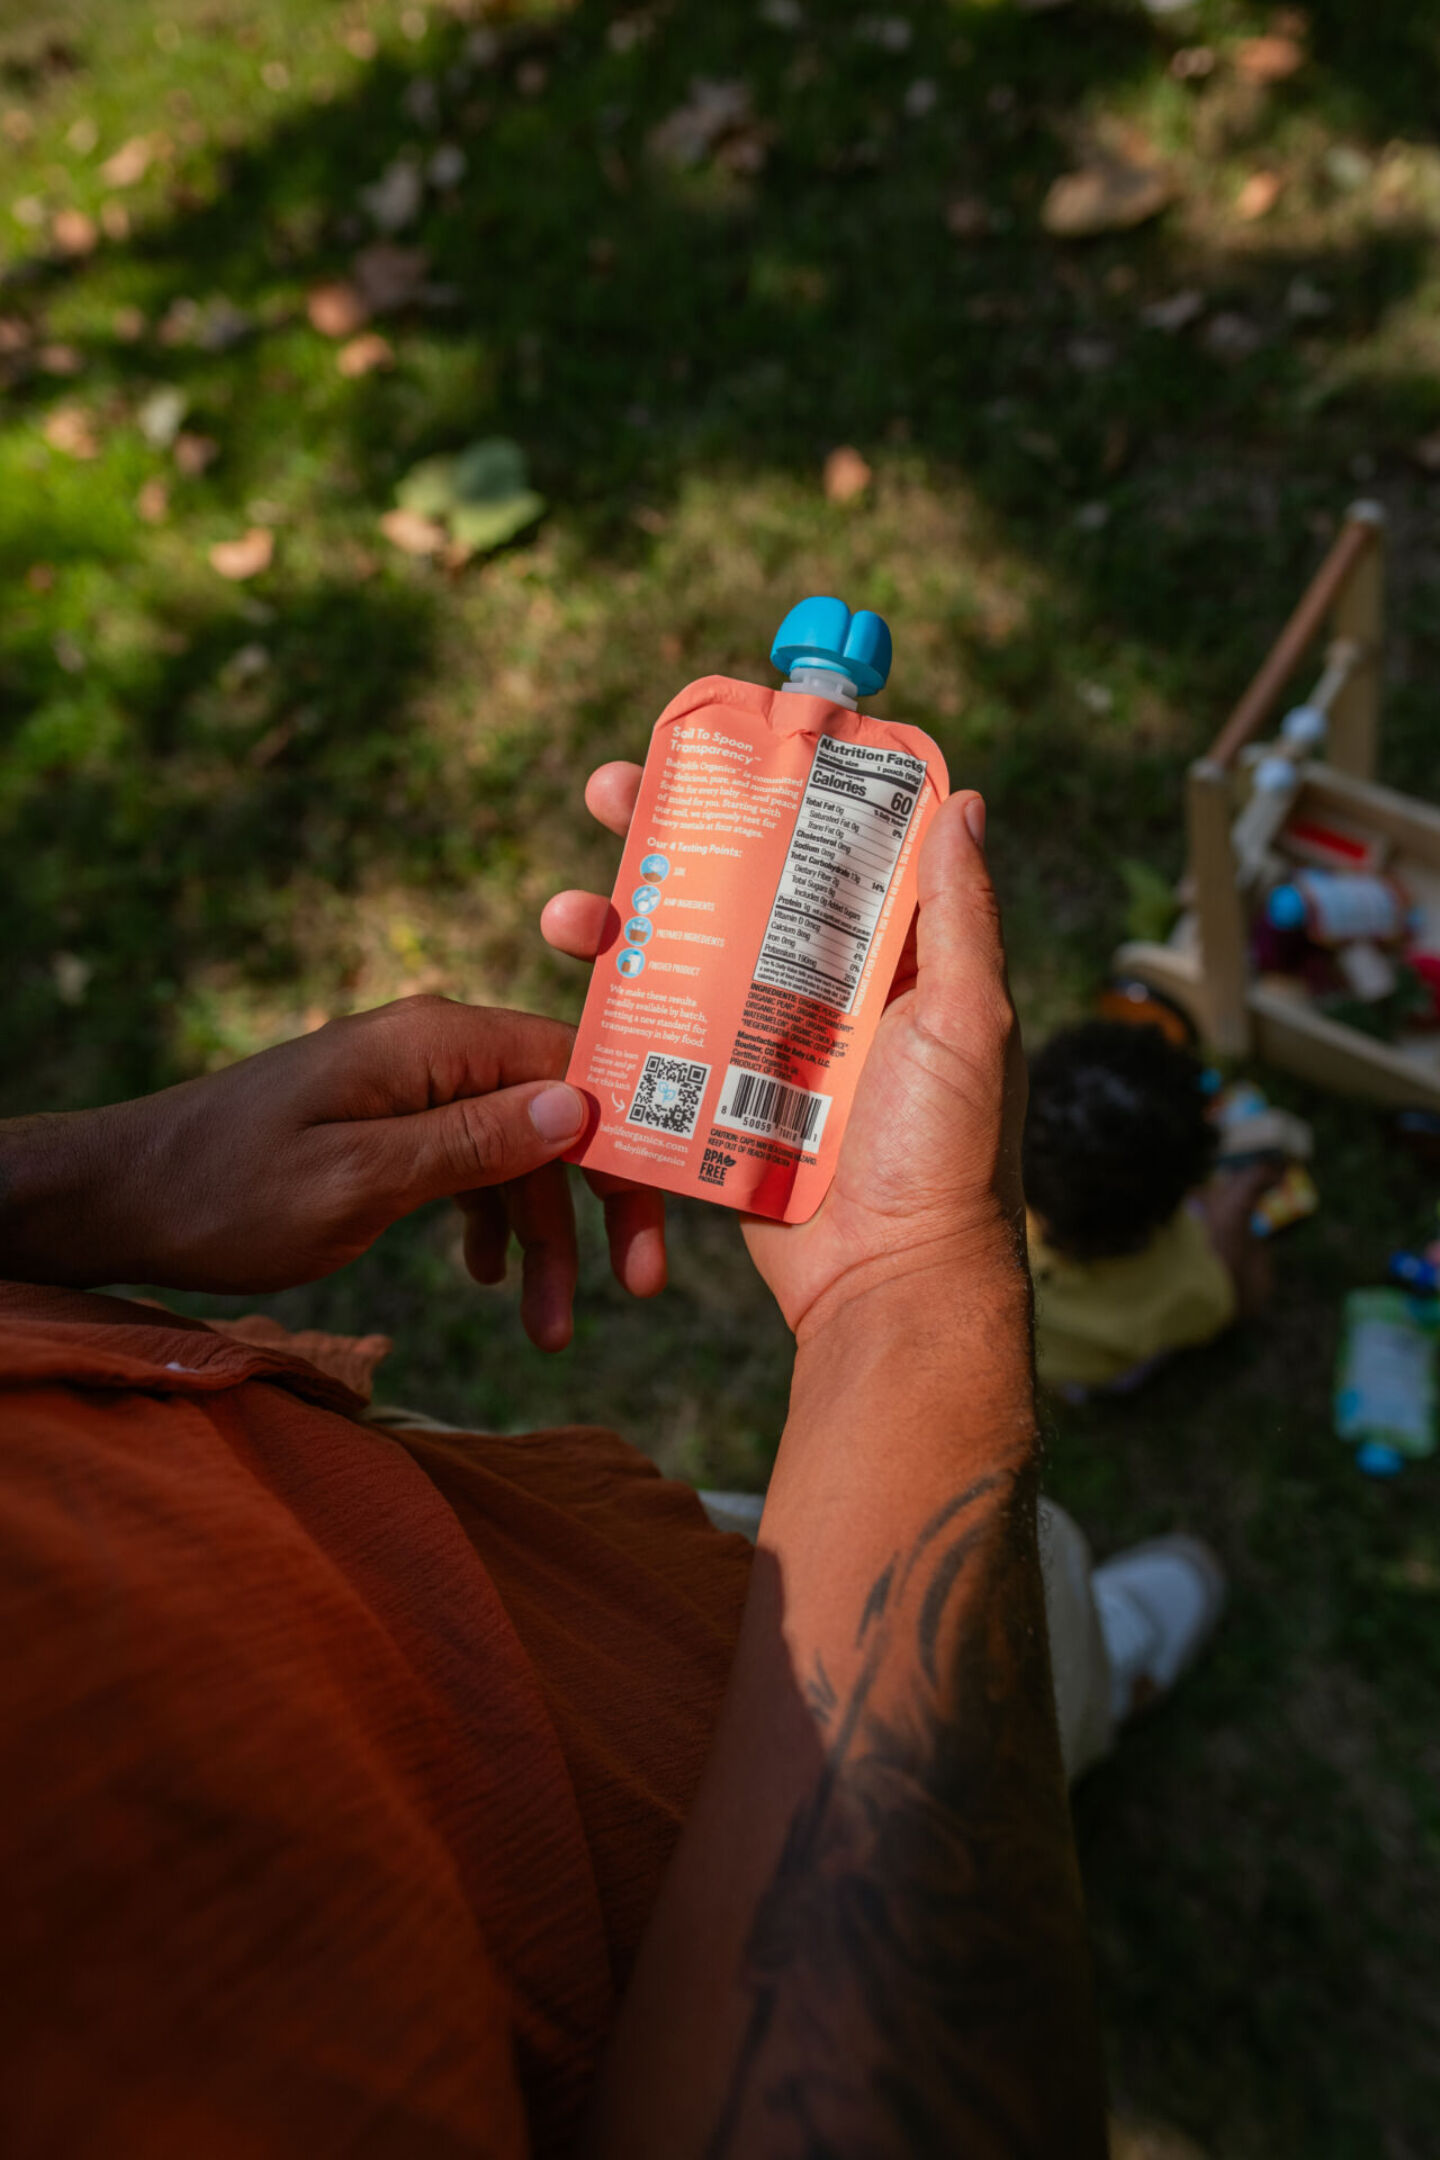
[(1331, 909)]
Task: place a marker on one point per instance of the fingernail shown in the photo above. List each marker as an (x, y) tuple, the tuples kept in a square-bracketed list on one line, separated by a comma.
[(558, 1113), (975, 819)]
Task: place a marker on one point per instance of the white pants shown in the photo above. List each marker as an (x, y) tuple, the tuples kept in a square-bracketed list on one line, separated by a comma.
[(1077, 1648)]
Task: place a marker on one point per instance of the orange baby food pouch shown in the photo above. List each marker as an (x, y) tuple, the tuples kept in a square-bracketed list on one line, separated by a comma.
[(764, 896)]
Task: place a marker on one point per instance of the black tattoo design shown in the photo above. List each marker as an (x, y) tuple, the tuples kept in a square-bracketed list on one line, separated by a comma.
[(916, 1967)]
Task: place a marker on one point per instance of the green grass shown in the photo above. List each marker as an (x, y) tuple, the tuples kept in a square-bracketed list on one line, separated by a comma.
[(228, 811)]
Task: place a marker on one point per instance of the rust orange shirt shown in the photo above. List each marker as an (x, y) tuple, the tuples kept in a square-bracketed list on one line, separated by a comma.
[(340, 1765)]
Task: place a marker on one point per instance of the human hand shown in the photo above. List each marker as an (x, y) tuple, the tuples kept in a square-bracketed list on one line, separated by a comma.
[(928, 1180), (285, 1167)]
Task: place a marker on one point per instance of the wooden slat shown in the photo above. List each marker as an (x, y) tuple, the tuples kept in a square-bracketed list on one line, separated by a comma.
[(1209, 813), (1359, 534), (1328, 1055), (1413, 826)]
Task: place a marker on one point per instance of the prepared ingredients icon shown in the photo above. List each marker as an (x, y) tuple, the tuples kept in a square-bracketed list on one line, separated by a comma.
[(639, 930)]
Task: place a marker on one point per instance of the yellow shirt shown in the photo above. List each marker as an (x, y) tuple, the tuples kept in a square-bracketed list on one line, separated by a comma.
[(1097, 1320)]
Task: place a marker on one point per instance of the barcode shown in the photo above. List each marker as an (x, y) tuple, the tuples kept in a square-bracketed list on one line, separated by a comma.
[(749, 1102)]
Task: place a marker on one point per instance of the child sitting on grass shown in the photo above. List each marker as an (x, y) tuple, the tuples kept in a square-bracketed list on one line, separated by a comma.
[(1135, 1251)]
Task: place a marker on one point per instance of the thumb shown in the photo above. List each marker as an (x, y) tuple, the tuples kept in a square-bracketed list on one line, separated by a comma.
[(481, 1140), (962, 995)]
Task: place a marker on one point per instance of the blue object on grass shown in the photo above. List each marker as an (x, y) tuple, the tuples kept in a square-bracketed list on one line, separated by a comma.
[(822, 633), (1415, 1271), (1375, 1459), (1286, 908)]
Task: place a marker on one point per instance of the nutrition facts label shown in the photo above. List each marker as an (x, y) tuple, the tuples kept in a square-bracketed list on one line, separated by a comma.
[(850, 829)]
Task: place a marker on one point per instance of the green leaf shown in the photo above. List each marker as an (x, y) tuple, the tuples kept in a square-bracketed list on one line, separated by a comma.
[(491, 524), (1152, 906), (482, 492)]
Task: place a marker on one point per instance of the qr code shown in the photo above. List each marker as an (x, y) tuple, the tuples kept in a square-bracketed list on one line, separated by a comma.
[(669, 1095)]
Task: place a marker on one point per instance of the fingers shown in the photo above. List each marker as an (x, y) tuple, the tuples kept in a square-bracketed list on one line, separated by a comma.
[(578, 923), (543, 1219), (960, 953), (610, 795), (635, 1230), (479, 1141)]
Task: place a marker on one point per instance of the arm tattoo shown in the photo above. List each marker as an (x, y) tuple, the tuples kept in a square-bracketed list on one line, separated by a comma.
[(916, 1970)]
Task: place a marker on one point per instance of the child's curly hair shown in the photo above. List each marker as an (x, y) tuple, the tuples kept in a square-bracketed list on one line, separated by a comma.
[(1115, 1136)]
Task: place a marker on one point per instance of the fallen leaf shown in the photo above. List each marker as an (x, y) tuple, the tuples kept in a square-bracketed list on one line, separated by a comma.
[(1231, 337), (130, 162), (845, 475), (59, 360), (1426, 452), (15, 334), (1175, 313), (68, 653), (82, 136), (28, 210), (482, 493), (271, 743), (40, 577), (1192, 63), (695, 130), (892, 33), (1346, 167), (1305, 301), (412, 533), (967, 217), (483, 48), (245, 557), (159, 416), (1111, 195), (364, 354), (393, 201), (129, 325), (71, 976), (195, 454), (275, 76), (337, 309), (152, 504), (71, 429), (446, 168), (390, 277), (361, 44), (531, 77), (17, 124), (1259, 195), (177, 326), (114, 220), (1269, 59), (73, 233)]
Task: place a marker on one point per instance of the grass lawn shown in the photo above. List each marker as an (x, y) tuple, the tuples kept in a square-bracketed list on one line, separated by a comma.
[(230, 808)]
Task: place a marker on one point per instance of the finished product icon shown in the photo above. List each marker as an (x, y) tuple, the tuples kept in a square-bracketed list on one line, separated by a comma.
[(630, 962)]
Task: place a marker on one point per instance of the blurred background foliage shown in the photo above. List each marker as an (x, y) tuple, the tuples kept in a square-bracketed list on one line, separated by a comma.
[(261, 764)]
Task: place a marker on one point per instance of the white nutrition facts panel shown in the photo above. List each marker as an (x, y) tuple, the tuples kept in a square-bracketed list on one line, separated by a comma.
[(852, 822)]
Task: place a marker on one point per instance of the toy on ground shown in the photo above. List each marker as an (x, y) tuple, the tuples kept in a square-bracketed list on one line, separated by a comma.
[(1385, 1388), (1310, 908)]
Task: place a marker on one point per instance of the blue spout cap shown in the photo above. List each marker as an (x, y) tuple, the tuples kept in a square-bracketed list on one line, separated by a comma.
[(823, 633), (1286, 908)]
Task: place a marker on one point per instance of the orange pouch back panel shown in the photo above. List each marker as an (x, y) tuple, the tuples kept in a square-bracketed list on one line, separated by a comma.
[(764, 897)]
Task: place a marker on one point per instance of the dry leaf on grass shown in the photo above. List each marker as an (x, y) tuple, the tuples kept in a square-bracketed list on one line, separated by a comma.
[(967, 217), (130, 162), (364, 354), (1269, 59), (393, 201), (337, 309), (846, 475), (59, 360), (715, 114), (152, 504), (71, 430), (128, 325), (1230, 337), (1113, 194), (114, 220), (1426, 452), (73, 233), (412, 533), (245, 557), (390, 277), (15, 334), (1259, 195), (1174, 313), (195, 454)]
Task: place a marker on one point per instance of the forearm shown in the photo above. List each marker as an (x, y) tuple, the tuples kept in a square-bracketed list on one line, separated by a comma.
[(79, 1194), (871, 1939)]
